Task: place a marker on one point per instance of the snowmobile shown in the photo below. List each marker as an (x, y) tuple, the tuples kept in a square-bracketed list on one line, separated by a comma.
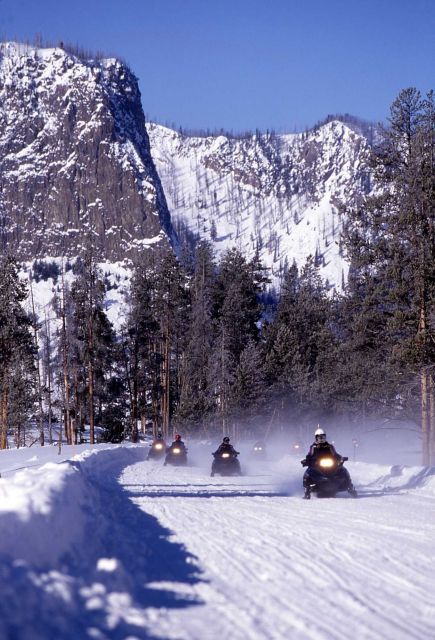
[(259, 451), (157, 450), (296, 448), (326, 476), (176, 455), (225, 463)]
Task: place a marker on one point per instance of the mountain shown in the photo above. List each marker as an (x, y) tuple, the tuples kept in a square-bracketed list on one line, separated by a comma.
[(75, 158), (278, 195), (77, 162)]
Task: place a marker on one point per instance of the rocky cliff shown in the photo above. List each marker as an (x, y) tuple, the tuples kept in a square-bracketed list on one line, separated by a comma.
[(79, 166), (75, 163)]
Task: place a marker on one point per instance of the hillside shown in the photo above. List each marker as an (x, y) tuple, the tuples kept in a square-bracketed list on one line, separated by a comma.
[(278, 195)]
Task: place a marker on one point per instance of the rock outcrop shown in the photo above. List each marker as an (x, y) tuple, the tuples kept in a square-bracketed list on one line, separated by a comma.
[(75, 162)]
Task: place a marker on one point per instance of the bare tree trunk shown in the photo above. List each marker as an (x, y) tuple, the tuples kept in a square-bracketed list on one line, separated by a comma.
[(166, 415), (91, 402), (48, 378), (65, 366), (431, 419), (4, 419), (38, 372), (424, 387)]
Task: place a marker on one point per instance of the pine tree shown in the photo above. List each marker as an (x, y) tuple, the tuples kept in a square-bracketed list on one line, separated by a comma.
[(142, 357), (93, 341), (300, 343), (195, 393), (17, 350), (390, 240), (170, 308)]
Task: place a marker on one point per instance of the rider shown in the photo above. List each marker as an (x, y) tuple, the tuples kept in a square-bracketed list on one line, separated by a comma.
[(178, 442), (319, 447), (226, 447), (153, 452)]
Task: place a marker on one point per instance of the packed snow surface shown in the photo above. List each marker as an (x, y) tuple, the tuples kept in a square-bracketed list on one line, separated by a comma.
[(99, 543)]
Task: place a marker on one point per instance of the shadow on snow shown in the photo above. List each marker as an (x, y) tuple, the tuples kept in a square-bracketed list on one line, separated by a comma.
[(99, 586)]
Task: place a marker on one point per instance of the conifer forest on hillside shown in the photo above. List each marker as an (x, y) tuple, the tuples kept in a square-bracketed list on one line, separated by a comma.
[(207, 346)]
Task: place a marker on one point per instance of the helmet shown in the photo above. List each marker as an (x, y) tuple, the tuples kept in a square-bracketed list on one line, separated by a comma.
[(178, 437), (226, 440), (319, 435)]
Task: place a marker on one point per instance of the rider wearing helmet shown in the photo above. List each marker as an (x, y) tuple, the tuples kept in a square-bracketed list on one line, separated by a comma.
[(178, 442), (319, 447), (225, 446)]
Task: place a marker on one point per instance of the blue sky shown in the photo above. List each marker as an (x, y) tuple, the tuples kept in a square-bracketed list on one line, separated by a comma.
[(246, 64)]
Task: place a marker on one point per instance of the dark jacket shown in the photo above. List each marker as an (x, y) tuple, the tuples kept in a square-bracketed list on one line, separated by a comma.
[(318, 449), (178, 443), (225, 447)]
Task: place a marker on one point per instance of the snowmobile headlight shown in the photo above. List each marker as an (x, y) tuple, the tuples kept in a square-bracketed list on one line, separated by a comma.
[(296, 446), (176, 450), (159, 446), (225, 455), (326, 463)]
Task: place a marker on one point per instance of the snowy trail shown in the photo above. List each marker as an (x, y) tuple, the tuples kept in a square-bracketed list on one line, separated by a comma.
[(107, 546), (275, 566)]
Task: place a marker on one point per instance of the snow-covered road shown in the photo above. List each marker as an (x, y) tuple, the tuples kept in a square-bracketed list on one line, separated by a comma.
[(276, 566), (109, 546)]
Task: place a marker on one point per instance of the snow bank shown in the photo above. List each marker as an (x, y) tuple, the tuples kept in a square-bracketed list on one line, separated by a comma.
[(44, 511)]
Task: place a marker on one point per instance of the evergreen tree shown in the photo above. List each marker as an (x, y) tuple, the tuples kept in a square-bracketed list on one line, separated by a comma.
[(300, 343), (93, 341), (142, 357), (390, 240), (195, 394), (249, 387), (17, 366), (170, 305)]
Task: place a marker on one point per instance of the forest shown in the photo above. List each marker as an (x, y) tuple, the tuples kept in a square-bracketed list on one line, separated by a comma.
[(207, 346)]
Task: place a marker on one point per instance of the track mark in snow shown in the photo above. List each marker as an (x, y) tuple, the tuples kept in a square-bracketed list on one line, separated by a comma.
[(275, 566)]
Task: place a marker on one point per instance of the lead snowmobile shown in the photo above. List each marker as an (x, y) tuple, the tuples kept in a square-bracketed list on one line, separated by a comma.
[(326, 474)]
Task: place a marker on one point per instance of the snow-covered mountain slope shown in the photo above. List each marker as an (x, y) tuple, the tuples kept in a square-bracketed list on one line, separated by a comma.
[(276, 194), (77, 164), (75, 161), (98, 543)]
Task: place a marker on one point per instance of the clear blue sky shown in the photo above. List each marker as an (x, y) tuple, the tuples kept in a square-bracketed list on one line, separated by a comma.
[(246, 64)]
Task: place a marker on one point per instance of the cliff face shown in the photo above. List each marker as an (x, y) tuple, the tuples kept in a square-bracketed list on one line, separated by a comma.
[(278, 195), (75, 159), (78, 165)]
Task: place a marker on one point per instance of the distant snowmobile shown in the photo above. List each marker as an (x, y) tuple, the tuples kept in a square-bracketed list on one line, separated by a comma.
[(259, 451), (157, 450)]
